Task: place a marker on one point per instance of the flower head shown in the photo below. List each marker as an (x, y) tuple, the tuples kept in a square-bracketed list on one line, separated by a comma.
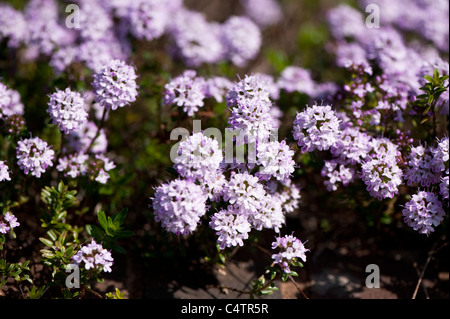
[(420, 167), (10, 102), (115, 85), (186, 91), (34, 156), (179, 205), (67, 110), (275, 160), (73, 165), (317, 127), (195, 40), (95, 257), (263, 12), (296, 79), (250, 108), (4, 172), (7, 222), (231, 226), (242, 39), (290, 248), (199, 157), (245, 191), (423, 212)]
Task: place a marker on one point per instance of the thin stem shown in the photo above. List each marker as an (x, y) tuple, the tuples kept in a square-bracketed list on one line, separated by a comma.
[(430, 255), (93, 292), (298, 288), (100, 125)]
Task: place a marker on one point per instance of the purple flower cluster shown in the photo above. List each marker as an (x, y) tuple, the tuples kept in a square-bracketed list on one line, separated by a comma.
[(290, 249), (73, 165), (420, 169), (337, 173), (148, 19), (401, 61), (7, 222), (13, 26), (34, 156), (4, 172), (231, 227), (189, 91), (115, 85), (195, 40), (250, 105), (423, 212), (317, 127), (296, 79), (427, 25), (67, 110), (250, 94), (80, 164), (242, 39), (253, 194), (179, 205), (94, 257), (198, 158), (275, 160), (186, 91), (263, 12), (10, 102)]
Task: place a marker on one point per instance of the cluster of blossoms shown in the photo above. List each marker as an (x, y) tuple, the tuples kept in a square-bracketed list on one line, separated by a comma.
[(7, 222), (189, 91), (253, 193), (423, 212), (179, 205), (402, 64), (198, 157), (94, 257), (362, 132), (263, 12), (316, 127), (34, 156), (250, 105), (115, 85), (10, 102), (4, 172), (290, 249), (380, 171), (80, 164), (67, 110), (104, 29)]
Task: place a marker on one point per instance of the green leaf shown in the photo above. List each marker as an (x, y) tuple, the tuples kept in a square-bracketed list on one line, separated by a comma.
[(428, 78), (120, 216), (51, 233), (102, 219), (46, 241)]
